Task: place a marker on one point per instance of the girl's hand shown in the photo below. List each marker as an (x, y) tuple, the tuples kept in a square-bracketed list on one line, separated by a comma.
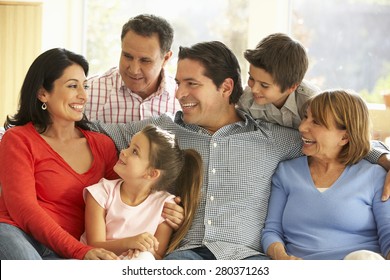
[(143, 242)]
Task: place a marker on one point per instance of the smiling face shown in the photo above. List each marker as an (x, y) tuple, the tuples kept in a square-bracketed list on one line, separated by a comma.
[(321, 142), (133, 164), (264, 89), (141, 62), (202, 102), (65, 102)]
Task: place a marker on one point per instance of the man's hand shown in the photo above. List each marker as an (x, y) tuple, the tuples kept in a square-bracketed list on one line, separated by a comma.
[(173, 214), (384, 161), (386, 188)]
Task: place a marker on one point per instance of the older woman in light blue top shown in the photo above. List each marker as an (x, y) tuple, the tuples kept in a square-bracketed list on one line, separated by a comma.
[(327, 204)]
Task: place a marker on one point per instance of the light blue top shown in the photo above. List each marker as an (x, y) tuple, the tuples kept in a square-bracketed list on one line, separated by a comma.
[(349, 216)]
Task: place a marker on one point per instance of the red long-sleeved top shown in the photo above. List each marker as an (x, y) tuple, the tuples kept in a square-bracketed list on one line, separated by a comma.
[(42, 194)]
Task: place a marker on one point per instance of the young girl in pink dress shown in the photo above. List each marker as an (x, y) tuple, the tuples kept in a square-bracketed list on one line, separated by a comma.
[(124, 215)]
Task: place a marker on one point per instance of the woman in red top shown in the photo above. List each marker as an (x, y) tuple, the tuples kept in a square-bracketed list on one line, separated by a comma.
[(47, 158)]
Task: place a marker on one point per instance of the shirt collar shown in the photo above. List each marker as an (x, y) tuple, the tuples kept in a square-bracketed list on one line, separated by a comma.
[(246, 120), (193, 127), (291, 104)]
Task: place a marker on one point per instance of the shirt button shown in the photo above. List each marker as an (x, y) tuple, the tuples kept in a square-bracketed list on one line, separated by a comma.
[(209, 222), (211, 198), (213, 171), (215, 145)]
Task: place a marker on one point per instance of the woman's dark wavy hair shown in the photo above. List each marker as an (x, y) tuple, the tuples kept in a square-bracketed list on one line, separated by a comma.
[(46, 68)]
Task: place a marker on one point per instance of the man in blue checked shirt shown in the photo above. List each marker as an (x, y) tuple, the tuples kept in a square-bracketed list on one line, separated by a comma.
[(240, 154)]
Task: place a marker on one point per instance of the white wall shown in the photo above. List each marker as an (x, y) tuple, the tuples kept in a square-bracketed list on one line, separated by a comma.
[(266, 17), (62, 24), (29, 30)]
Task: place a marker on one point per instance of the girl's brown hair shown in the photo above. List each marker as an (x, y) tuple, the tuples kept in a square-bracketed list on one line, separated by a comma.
[(181, 174)]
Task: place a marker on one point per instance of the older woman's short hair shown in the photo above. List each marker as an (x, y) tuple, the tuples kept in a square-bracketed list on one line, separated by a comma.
[(349, 112)]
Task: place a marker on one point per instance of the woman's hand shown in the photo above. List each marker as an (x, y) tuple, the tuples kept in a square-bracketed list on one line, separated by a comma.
[(277, 252), (100, 254), (173, 214), (289, 257), (129, 254)]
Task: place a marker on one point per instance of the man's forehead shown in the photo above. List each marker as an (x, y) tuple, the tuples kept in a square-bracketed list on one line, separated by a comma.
[(190, 68)]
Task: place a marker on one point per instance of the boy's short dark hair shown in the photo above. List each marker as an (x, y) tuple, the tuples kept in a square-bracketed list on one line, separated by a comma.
[(284, 58)]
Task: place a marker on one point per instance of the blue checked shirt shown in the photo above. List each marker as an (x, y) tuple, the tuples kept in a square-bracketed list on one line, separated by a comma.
[(239, 161)]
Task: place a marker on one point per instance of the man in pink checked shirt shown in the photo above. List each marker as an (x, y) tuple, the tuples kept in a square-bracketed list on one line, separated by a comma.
[(140, 87)]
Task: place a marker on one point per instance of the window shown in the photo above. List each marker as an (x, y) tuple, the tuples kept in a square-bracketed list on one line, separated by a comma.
[(347, 43), (345, 39), (224, 20)]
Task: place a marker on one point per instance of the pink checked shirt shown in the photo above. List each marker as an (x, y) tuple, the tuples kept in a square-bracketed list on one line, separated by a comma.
[(110, 101)]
